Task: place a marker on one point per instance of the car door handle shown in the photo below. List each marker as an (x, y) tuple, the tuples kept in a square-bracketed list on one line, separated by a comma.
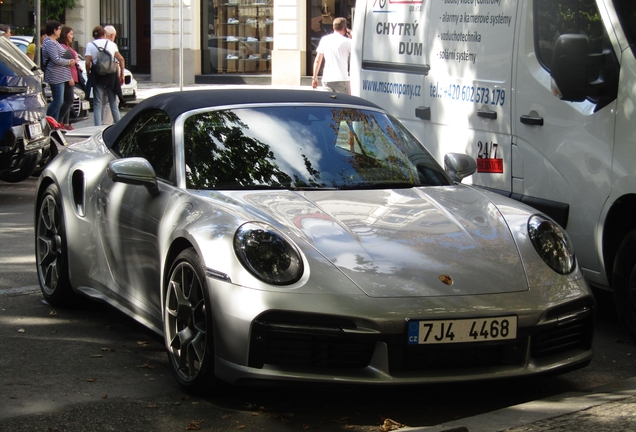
[(492, 115), (531, 120)]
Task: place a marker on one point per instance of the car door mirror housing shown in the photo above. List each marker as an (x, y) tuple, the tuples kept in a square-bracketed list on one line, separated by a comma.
[(134, 171), (459, 166), (578, 74)]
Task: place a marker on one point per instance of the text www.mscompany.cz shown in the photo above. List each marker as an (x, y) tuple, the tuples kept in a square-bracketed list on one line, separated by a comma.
[(399, 89)]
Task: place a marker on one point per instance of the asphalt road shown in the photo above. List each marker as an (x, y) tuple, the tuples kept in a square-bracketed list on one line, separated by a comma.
[(93, 369)]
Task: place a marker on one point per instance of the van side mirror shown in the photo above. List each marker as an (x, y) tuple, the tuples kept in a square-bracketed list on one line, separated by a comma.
[(578, 74), (459, 165), (570, 67)]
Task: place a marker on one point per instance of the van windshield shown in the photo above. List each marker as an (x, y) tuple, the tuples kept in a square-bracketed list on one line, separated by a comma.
[(626, 10)]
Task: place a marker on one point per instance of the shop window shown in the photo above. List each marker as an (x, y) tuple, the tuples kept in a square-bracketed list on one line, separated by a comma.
[(239, 36)]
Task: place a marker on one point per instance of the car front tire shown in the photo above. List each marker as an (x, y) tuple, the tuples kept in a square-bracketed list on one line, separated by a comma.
[(188, 324), (50, 249)]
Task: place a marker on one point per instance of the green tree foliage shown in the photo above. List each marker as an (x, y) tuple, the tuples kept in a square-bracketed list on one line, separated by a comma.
[(55, 9)]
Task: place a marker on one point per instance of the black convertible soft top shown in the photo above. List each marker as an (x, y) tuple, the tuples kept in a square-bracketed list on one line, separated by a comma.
[(176, 103)]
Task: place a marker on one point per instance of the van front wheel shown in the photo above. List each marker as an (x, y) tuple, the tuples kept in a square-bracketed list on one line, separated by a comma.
[(624, 275)]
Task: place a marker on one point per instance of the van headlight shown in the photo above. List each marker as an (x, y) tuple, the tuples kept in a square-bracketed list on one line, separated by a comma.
[(552, 244), (267, 254)]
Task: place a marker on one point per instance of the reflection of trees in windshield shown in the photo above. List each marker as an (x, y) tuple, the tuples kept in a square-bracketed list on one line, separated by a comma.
[(219, 154), (301, 147)]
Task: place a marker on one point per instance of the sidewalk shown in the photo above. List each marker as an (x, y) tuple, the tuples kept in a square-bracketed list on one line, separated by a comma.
[(609, 408)]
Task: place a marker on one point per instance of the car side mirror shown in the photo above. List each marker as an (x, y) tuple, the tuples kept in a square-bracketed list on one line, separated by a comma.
[(570, 67), (134, 171), (459, 166), (578, 74)]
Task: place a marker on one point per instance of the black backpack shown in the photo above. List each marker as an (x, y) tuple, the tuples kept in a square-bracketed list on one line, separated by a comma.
[(104, 62)]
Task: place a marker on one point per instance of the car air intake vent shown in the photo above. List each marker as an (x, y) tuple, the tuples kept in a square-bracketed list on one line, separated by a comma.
[(315, 348), (561, 338), (456, 356)]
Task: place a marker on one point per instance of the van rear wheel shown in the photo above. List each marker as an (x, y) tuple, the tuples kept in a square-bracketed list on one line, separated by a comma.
[(624, 275)]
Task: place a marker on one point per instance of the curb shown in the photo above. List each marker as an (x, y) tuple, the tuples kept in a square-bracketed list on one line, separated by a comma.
[(543, 410)]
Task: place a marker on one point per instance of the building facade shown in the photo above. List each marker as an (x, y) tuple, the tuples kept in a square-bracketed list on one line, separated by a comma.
[(221, 39)]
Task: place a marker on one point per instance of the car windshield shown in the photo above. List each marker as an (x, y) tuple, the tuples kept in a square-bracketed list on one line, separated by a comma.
[(13, 62), (304, 147)]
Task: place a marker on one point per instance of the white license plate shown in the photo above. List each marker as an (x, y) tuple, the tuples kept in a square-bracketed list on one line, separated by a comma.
[(462, 330), (126, 91), (35, 131), (86, 105)]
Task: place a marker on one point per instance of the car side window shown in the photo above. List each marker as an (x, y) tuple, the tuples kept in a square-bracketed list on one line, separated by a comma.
[(150, 137), (553, 19)]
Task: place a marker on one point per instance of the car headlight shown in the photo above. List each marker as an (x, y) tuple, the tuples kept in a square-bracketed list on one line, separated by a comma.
[(552, 244), (267, 254)]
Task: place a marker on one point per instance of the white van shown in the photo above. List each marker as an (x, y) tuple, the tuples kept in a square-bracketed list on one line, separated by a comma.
[(541, 92)]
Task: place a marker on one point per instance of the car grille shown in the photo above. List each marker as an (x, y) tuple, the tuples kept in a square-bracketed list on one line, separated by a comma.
[(568, 331), (322, 342), (77, 107), (317, 342), (456, 356)]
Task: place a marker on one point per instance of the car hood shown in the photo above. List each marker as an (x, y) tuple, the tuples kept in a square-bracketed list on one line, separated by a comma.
[(434, 241)]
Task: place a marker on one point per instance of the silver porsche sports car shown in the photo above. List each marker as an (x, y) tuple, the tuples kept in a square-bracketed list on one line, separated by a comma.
[(280, 234)]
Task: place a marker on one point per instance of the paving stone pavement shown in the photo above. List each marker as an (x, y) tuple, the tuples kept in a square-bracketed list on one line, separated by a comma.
[(609, 417), (608, 408)]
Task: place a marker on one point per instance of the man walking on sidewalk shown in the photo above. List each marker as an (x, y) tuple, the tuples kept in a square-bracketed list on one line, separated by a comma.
[(335, 49)]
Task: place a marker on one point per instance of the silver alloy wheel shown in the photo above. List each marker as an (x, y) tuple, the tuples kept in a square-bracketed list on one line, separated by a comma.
[(49, 245), (185, 321)]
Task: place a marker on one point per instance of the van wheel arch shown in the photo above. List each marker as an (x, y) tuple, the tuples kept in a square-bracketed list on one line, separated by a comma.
[(619, 222), (624, 283)]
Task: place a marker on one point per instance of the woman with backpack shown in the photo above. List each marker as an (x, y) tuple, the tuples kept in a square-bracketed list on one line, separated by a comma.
[(103, 73), (57, 69)]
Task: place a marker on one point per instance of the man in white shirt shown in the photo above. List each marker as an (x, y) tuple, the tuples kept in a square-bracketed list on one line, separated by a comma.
[(107, 117), (104, 86), (335, 50)]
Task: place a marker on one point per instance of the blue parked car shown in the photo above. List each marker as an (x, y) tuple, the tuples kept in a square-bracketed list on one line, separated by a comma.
[(24, 130)]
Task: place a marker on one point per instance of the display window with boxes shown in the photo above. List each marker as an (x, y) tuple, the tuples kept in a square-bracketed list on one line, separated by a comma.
[(240, 36)]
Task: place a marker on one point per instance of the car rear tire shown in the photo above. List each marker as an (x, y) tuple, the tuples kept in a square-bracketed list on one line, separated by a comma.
[(22, 173), (50, 249), (188, 324), (624, 276)]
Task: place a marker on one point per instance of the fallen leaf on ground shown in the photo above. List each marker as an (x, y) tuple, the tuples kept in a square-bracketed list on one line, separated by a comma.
[(142, 343), (391, 425), (194, 425), (91, 380), (147, 365), (53, 312), (105, 396), (226, 416), (96, 356), (240, 427), (305, 426)]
